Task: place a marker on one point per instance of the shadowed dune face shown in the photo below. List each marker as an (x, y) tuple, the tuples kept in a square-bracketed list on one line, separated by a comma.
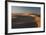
[(35, 18)]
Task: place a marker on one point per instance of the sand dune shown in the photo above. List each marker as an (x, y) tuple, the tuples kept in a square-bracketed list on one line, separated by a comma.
[(35, 16)]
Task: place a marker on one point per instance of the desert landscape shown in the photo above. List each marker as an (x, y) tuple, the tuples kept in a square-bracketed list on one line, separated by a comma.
[(25, 17)]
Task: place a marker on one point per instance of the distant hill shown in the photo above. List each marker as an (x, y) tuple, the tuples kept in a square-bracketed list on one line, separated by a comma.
[(24, 14)]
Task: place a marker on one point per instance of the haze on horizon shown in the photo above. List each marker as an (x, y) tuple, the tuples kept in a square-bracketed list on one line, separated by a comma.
[(18, 9)]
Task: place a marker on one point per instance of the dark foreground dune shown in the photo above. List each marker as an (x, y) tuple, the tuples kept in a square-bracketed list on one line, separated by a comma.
[(24, 21)]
